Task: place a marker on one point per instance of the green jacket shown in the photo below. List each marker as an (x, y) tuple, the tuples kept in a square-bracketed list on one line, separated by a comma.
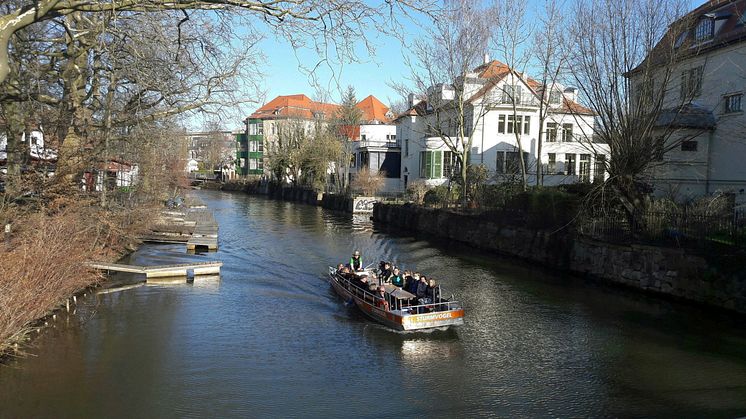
[(358, 262)]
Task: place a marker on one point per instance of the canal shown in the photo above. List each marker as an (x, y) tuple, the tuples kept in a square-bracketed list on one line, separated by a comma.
[(271, 339)]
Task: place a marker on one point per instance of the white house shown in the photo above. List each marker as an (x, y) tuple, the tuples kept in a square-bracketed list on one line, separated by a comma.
[(376, 147), (704, 145), (502, 108)]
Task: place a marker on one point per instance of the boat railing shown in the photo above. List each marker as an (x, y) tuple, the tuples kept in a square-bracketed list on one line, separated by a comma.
[(366, 295), (369, 298)]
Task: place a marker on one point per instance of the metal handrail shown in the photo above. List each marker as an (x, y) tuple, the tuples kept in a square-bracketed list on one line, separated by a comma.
[(333, 272)]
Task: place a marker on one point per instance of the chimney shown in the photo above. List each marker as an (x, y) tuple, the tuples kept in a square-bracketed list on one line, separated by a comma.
[(410, 100), (571, 93), (486, 58)]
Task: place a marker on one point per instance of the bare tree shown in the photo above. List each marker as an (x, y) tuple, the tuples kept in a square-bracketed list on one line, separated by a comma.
[(442, 65), (369, 182), (549, 57), (347, 123), (512, 36), (623, 59)]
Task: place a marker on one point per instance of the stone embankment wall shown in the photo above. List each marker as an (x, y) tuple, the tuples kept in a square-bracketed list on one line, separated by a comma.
[(671, 271)]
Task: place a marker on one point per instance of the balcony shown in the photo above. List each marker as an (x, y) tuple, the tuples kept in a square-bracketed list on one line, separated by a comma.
[(372, 143)]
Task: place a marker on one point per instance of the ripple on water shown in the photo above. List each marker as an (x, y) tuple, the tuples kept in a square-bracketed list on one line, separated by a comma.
[(270, 338)]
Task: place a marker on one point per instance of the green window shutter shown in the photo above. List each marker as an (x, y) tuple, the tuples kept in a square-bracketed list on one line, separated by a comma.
[(437, 165)]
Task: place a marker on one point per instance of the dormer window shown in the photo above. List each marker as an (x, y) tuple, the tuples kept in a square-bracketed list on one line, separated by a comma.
[(555, 97), (705, 29)]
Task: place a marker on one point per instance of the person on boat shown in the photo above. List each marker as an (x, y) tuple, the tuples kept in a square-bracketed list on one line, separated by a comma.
[(356, 261), (396, 278), (340, 267), (381, 298), (385, 271), (421, 291), (433, 292), (412, 285)]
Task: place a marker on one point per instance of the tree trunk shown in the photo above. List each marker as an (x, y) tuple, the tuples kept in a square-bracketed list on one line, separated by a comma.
[(14, 132)]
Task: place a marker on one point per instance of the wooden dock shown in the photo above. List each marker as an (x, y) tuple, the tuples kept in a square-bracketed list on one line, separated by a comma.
[(163, 271), (194, 225)]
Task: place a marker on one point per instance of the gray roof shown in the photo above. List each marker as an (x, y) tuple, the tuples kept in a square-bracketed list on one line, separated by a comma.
[(690, 115)]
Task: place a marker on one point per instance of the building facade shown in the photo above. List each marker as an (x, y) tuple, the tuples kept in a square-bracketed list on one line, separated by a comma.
[(702, 125), (501, 117)]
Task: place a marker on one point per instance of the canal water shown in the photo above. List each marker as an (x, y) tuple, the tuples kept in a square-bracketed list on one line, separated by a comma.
[(269, 338)]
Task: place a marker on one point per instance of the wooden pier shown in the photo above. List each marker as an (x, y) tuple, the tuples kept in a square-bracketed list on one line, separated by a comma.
[(163, 271), (194, 225)]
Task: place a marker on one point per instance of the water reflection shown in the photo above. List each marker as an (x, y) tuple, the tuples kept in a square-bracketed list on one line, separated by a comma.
[(270, 338)]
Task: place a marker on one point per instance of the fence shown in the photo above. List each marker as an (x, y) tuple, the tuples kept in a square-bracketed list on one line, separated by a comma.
[(681, 229)]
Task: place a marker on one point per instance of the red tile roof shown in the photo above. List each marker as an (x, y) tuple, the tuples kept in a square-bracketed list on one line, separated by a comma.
[(301, 106), (374, 110), (296, 106), (495, 71)]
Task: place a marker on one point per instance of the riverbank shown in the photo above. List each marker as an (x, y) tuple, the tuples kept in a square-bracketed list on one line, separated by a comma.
[(718, 281), (44, 261)]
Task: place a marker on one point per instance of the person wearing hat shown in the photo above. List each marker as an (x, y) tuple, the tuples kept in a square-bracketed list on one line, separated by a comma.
[(356, 261)]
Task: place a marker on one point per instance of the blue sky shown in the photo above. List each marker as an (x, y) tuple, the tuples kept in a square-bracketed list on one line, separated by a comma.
[(372, 75)]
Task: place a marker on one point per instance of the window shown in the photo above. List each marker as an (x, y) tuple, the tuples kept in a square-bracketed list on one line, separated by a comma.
[(363, 160), (551, 132), (260, 128), (552, 163), (705, 29), (690, 145), (516, 124), (599, 170), (585, 168), (569, 164), (512, 164), (406, 147), (431, 163), (691, 82), (253, 128), (252, 164), (449, 164), (253, 146), (501, 124), (566, 133), (733, 103), (353, 160), (555, 97), (500, 163), (391, 137), (512, 93)]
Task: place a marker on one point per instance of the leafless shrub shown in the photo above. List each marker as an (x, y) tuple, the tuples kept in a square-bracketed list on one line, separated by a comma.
[(367, 182)]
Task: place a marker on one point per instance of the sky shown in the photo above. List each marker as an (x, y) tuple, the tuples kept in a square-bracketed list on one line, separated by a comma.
[(371, 76)]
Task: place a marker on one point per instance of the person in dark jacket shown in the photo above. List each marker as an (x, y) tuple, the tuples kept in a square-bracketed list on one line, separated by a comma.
[(412, 284), (421, 287)]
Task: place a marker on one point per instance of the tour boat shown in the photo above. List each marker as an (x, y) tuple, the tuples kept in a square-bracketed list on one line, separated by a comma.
[(402, 315)]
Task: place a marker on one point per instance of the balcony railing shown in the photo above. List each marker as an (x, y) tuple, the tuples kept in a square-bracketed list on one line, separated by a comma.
[(380, 143)]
